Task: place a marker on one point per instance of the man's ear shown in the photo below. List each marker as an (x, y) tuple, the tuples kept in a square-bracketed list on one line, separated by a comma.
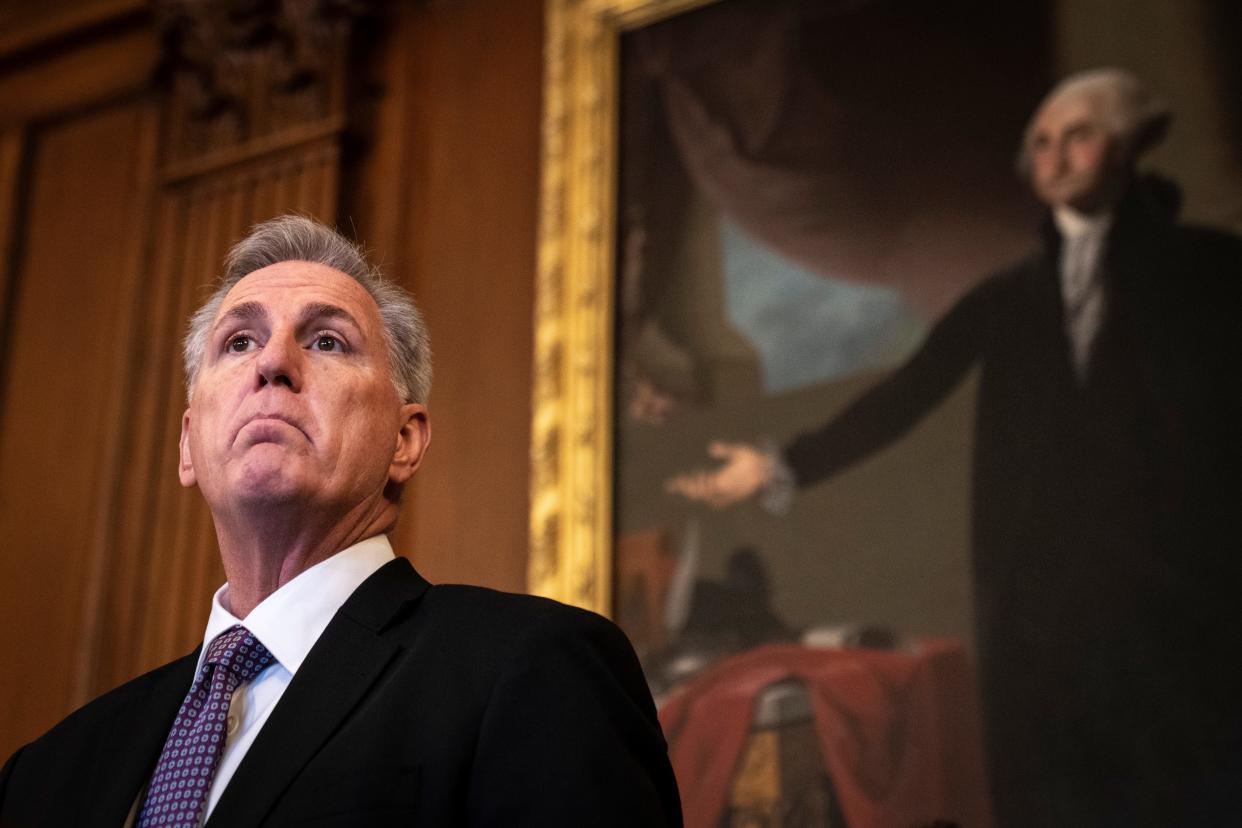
[(185, 469), (412, 442)]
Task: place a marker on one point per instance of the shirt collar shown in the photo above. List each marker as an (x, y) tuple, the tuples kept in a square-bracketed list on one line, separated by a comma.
[(290, 620), (1073, 224)]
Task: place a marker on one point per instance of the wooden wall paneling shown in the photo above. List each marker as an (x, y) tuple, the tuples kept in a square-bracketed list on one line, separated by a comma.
[(175, 611), (196, 547), (287, 185), (306, 186), (133, 547), (69, 339), (175, 634), (397, 168), (264, 194), (208, 575), (472, 186), (25, 26), (12, 154), (112, 454), (162, 592), (328, 182), (65, 82), (375, 194)]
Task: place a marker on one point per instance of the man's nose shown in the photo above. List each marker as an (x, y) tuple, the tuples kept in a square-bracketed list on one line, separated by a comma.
[(1060, 157), (280, 363)]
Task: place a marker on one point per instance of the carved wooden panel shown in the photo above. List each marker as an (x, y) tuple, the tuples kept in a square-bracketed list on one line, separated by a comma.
[(252, 77), (67, 336)]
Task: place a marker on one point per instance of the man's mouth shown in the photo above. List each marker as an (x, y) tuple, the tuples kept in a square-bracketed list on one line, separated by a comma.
[(266, 427)]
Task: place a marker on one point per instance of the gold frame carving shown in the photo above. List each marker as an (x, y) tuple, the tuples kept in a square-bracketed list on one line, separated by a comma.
[(571, 429)]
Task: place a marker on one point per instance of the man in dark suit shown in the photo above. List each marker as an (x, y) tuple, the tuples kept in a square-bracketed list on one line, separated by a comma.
[(1107, 476), (335, 685)]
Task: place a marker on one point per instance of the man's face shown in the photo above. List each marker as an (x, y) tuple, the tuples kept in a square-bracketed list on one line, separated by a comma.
[(1074, 158), (294, 400)]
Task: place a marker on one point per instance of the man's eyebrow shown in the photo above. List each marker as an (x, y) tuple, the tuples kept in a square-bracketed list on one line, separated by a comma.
[(243, 312), (325, 310), (251, 311)]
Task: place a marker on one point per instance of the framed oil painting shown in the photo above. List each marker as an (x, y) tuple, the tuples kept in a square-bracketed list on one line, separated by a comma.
[(817, 423)]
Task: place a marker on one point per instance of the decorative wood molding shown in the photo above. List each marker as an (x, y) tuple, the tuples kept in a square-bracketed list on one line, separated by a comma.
[(276, 143), (65, 82), (572, 431), (244, 74), (26, 27)]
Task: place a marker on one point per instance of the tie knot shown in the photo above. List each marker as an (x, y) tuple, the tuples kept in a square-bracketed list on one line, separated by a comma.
[(237, 650)]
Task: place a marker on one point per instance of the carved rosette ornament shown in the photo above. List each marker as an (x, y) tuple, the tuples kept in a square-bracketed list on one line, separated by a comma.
[(571, 530)]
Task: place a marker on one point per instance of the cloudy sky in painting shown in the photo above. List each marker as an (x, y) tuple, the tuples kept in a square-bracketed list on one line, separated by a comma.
[(808, 328)]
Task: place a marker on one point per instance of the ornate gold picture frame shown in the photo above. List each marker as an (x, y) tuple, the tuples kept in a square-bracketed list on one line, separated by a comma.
[(571, 433), (807, 408)]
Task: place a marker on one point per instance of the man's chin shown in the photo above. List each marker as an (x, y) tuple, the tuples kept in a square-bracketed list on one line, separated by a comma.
[(268, 485), (1082, 196)]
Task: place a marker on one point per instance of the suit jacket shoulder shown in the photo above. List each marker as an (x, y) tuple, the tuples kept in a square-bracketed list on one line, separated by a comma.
[(89, 767), (563, 730), (505, 628)]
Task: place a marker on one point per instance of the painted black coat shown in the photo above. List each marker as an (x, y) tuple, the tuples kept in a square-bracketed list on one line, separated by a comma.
[(1107, 540)]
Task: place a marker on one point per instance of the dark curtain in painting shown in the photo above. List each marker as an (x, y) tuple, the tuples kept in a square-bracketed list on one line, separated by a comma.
[(850, 166)]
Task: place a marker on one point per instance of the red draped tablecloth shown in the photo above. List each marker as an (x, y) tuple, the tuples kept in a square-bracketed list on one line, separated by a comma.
[(899, 731)]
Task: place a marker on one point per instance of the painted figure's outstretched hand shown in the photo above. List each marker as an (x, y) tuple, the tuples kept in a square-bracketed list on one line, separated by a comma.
[(745, 471)]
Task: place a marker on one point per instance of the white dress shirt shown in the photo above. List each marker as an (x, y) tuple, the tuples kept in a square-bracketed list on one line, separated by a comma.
[(288, 622), (1082, 283)]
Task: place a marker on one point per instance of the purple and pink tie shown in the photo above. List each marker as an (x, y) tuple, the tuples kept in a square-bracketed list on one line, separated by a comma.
[(178, 789)]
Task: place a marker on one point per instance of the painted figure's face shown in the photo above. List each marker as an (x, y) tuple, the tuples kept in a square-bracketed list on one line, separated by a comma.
[(1074, 158), (294, 400)]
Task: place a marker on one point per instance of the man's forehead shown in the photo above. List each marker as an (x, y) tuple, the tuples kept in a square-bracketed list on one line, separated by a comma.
[(1072, 106), (298, 286)]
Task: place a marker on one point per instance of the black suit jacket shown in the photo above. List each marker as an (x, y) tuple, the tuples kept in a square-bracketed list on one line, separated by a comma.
[(419, 705)]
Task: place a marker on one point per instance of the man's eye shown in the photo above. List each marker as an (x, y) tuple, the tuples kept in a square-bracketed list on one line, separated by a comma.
[(1082, 132), (328, 343), (239, 344)]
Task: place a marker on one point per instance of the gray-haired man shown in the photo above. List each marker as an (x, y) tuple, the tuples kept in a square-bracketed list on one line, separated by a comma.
[(335, 685)]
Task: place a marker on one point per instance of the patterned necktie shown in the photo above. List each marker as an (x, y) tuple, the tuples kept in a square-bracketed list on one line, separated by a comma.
[(178, 789)]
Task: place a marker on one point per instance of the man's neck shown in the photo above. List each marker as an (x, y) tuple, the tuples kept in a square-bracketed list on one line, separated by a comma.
[(265, 549)]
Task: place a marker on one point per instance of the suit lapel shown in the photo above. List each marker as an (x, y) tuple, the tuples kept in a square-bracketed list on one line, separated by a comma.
[(132, 742), (337, 673)]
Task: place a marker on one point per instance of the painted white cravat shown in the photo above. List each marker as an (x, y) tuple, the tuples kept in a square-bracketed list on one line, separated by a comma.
[(1082, 283)]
